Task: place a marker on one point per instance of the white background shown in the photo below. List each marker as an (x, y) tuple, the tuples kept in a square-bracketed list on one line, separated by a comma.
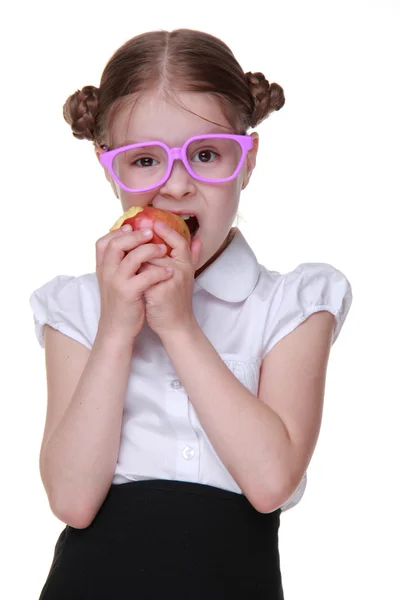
[(326, 189)]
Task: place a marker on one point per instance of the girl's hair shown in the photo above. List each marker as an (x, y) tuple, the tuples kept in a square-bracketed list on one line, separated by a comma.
[(183, 60)]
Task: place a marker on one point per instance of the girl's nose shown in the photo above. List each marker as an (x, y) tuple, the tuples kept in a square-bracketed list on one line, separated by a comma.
[(180, 183)]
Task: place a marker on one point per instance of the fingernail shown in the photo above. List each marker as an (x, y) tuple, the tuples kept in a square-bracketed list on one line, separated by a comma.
[(146, 232), (126, 227)]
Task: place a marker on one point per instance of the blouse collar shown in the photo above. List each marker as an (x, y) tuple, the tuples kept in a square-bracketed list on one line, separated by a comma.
[(233, 275)]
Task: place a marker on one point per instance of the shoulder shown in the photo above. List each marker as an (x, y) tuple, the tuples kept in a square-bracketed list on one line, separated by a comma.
[(320, 286), (64, 284), (315, 271), (68, 303), (307, 289), (67, 289), (304, 273)]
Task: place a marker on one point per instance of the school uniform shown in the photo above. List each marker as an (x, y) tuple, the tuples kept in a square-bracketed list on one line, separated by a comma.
[(175, 523)]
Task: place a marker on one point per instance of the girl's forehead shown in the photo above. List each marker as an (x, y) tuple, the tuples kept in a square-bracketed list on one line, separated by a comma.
[(172, 120)]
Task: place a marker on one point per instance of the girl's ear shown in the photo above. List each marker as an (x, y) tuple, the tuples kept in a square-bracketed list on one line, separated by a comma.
[(251, 160), (99, 151)]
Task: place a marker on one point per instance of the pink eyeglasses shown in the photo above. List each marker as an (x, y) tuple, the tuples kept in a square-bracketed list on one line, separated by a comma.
[(214, 158)]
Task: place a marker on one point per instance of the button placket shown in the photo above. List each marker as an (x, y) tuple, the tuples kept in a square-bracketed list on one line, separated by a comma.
[(188, 452)]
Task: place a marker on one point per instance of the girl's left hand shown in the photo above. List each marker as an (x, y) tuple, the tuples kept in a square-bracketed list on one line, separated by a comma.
[(169, 305)]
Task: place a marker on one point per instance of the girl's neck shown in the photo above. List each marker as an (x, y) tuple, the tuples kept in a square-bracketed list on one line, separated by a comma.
[(225, 244)]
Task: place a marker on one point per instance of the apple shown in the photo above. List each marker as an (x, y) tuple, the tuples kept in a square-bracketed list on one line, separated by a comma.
[(138, 217)]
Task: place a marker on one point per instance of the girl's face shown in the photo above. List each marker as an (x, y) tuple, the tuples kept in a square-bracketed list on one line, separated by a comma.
[(153, 118)]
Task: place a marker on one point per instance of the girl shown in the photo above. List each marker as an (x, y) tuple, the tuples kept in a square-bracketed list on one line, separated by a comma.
[(185, 392)]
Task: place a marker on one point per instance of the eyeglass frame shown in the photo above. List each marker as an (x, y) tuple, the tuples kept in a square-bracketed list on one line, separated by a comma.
[(178, 153)]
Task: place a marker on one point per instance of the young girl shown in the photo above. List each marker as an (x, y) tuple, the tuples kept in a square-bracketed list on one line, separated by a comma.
[(185, 392)]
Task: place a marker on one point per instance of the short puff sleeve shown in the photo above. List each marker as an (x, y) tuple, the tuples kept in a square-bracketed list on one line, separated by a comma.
[(310, 288), (66, 304)]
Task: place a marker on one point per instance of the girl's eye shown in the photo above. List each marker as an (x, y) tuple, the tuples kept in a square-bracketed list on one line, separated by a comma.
[(146, 161), (204, 156)]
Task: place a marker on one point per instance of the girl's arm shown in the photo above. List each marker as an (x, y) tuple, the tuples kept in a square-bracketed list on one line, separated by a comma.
[(86, 394), (265, 442)]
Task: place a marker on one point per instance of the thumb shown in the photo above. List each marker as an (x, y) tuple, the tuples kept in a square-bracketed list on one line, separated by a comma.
[(195, 250)]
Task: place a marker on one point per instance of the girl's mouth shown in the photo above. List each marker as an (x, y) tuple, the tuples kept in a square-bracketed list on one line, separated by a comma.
[(193, 226), (191, 222)]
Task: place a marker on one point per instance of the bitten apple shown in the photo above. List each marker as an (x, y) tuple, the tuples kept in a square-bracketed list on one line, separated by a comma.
[(135, 216)]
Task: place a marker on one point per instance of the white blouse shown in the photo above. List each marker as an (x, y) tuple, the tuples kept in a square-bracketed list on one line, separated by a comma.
[(244, 310)]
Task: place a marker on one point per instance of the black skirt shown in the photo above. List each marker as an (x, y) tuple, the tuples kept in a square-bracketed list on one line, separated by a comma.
[(169, 539)]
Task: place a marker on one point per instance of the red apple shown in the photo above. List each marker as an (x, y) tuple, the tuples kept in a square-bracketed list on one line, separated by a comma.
[(135, 216)]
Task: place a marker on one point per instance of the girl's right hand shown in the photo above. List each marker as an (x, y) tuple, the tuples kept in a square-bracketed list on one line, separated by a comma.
[(119, 255)]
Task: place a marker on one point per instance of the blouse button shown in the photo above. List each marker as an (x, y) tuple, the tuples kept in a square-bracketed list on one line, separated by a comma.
[(188, 453), (176, 384)]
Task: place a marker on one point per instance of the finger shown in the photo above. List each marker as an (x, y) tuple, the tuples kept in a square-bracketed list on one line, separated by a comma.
[(179, 245), (147, 266), (102, 244), (165, 261), (162, 259), (149, 277), (195, 251), (142, 254), (117, 248)]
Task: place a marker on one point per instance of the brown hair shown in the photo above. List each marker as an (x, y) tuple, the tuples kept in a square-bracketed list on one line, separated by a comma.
[(181, 60)]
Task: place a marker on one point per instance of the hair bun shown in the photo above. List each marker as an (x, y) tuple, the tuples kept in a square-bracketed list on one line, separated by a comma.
[(80, 111), (266, 97)]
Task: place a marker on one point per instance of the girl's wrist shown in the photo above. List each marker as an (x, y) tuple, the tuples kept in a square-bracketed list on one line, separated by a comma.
[(118, 340), (182, 336)]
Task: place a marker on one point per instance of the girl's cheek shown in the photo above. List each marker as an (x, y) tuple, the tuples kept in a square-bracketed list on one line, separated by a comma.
[(127, 199)]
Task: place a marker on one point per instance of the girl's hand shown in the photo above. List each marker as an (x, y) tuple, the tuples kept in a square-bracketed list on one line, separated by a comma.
[(119, 256), (169, 303)]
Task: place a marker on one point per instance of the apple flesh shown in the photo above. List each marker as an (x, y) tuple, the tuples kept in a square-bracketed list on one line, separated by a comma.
[(139, 217)]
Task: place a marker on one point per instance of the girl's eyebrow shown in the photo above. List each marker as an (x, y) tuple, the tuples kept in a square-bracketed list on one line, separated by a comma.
[(211, 131), (126, 143)]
